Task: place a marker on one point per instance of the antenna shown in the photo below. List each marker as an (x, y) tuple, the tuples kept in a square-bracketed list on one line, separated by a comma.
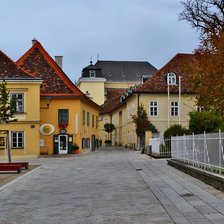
[(98, 57), (91, 60)]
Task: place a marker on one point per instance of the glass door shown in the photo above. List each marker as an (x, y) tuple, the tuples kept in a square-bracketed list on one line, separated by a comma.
[(63, 144)]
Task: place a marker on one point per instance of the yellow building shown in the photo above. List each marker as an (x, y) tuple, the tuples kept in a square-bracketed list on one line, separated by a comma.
[(24, 136), (67, 115), (167, 97)]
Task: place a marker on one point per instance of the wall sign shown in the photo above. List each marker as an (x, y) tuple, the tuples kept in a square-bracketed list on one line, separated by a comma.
[(46, 129)]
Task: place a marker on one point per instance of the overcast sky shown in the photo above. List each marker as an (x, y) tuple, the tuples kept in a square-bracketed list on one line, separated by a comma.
[(139, 30)]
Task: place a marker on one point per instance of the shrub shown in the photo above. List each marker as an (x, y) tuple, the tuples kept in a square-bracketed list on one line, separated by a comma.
[(174, 130), (205, 121)]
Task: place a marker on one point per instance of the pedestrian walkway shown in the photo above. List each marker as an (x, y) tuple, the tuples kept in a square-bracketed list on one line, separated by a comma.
[(112, 185)]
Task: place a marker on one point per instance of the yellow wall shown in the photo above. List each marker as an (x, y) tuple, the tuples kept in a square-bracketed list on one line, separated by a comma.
[(28, 122), (75, 106), (120, 85), (96, 90)]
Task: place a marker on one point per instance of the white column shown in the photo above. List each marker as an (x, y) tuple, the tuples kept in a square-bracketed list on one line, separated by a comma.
[(179, 100)]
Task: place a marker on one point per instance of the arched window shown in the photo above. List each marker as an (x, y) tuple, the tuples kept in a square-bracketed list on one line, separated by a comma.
[(171, 78)]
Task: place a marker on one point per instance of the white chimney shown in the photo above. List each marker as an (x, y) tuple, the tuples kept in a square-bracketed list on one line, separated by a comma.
[(58, 60)]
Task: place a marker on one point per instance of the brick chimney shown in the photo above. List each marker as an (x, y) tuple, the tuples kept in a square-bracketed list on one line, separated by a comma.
[(58, 60)]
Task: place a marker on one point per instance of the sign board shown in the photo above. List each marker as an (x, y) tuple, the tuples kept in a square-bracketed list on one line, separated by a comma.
[(2, 142), (46, 129), (63, 131)]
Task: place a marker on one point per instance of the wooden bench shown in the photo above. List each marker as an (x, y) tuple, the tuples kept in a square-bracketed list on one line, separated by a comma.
[(24, 165), (11, 167)]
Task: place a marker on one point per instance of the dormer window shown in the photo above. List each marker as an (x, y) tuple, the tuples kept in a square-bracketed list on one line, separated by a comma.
[(171, 78), (123, 74), (109, 74), (92, 73)]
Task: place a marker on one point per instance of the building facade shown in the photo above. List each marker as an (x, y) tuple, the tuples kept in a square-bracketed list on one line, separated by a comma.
[(67, 116)]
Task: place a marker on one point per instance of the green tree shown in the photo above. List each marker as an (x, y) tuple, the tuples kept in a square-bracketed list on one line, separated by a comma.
[(109, 128), (7, 109), (205, 121)]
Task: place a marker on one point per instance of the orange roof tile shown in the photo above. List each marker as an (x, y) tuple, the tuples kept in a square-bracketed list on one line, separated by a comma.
[(40, 64)]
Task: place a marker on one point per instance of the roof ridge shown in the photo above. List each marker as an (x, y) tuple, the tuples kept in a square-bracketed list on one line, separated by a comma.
[(52, 63), (17, 65), (158, 71)]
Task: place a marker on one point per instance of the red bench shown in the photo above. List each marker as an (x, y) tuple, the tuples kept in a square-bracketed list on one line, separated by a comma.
[(24, 165), (11, 167)]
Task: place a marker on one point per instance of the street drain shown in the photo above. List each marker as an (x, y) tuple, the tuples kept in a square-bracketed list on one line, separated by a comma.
[(138, 169), (186, 195)]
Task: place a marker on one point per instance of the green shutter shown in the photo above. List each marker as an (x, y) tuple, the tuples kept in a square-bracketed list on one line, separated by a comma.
[(88, 118), (83, 117), (93, 119), (55, 144), (70, 144)]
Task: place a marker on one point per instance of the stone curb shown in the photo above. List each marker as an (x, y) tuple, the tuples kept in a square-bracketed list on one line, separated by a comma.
[(17, 179), (210, 178)]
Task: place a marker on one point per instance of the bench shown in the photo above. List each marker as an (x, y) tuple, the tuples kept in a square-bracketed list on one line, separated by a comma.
[(11, 167), (24, 165)]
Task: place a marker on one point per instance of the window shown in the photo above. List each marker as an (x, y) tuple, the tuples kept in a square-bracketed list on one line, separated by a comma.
[(20, 101), (93, 120), (83, 117), (174, 108), (123, 74), (17, 139), (109, 74), (62, 116), (145, 78), (128, 112), (92, 73), (76, 123), (96, 122), (200, 109), (88, 118), (133, 109), (153, 108), (83, 143), (171, 78)]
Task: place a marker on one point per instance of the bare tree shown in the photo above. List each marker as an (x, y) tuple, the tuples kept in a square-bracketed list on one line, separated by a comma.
[(205, 15)]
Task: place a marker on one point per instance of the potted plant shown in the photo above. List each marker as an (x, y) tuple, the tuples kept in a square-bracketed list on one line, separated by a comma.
[(75, 149), (63, 125)]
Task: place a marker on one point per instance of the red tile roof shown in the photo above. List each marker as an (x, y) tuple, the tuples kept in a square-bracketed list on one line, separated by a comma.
[(111, 105), (114, 93), (39, 63), (158, 84), (9, 69)]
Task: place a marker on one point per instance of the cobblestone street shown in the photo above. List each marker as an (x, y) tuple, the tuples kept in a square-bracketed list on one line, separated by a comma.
[(109, 186)]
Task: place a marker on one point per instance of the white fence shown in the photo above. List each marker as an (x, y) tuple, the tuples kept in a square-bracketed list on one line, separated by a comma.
[(203, 150), (160, 146)]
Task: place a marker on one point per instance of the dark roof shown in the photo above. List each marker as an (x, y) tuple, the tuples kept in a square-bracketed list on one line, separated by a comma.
[(132, 70), (9, 69), (158, 84), (92, 67), (40, 64)]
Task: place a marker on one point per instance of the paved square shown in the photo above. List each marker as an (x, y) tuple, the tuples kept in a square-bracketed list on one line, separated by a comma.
[(109, 186)]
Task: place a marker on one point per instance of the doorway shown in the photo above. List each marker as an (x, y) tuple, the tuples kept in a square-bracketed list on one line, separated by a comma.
[(63, 144)]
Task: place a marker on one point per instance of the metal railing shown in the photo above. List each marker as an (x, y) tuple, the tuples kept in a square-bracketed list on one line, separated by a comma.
[(202, 150), (160, 146)]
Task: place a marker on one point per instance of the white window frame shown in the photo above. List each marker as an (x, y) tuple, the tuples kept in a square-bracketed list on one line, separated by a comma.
[(18, 110), (128, 112), (133, 109), (153, 108), (199, 109), (92, 73), (171, 78), (174, 108), (16, 133)]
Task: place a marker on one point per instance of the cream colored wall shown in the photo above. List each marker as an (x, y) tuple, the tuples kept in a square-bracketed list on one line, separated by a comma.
[(96, 90), (106, 118), (28, 122), (161, 120)]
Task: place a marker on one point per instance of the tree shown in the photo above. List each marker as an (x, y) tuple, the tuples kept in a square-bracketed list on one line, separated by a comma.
[(109, 128), (174, 130), (205, 121), (207, 16), (7, 109)]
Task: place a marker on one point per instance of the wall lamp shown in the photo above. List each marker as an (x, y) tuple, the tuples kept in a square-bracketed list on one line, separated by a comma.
[(48, 101)]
